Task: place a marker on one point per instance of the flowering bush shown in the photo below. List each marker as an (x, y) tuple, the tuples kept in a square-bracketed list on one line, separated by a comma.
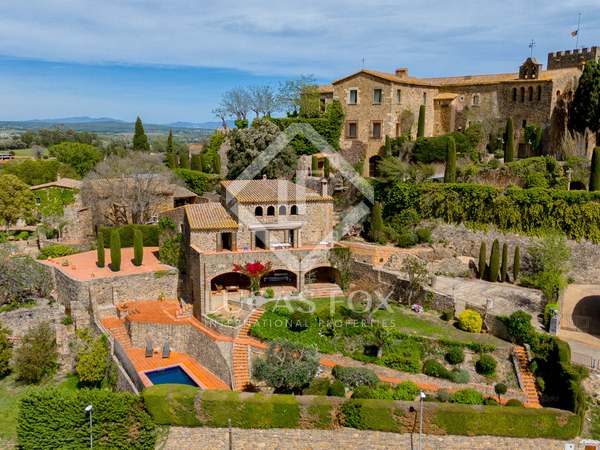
[(255, 271)]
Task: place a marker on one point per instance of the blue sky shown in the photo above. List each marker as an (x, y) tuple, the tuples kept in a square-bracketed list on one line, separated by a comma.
[(171, 60)]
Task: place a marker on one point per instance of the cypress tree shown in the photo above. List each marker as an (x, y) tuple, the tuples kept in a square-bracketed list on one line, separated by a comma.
[(138, 247), (450, 172), (196, 163), (504, 266), (421, 123), (376, 223), (326, 168), (595, 171), (388, 146), (115, 251), (100, 249), (516, 264), (170, 150), (509, 145), (217, 164), (482, 260), (184, 158), (314, 165), (140, 140), (494, 262)]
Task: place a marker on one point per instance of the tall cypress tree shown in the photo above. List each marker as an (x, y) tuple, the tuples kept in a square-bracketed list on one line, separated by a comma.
[(217, 164), (482, 260), (387, 146), (115, 251), (100, 249), (516, 264), (326, 168), (196, 162), (314, 165), (170, 150), (450, 172), (140, 140), (184, 157), (504, 266), (138, 247), (421, 123), (494, 262), (509, 144), (595, 171), (377, 224)]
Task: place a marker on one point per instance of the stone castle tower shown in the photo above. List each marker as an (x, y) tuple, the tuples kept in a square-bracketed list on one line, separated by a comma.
[(572, 58)]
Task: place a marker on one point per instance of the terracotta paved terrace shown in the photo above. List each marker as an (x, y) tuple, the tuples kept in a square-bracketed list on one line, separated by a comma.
[(82, 266)]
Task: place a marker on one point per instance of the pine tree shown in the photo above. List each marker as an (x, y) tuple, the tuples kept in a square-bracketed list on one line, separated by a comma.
[(450, 172), (217, 164), (377, 224), (170, 150), (509, 145), (140, 140), (387, 146), (482, 260), (100, 249), (504, 266), (595, 171), (516, 264), (494, 262), (184, 158), (326, 168), (138, 247), (115, 251), (421, 123)]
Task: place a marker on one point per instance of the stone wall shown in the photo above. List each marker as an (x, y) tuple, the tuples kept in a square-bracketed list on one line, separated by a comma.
[(457, 240), (572, 58), (184, 338)]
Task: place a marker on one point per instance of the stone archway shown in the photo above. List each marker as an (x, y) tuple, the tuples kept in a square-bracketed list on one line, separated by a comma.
[(373, 163), (586, 315), (229, 280), (279, 277)]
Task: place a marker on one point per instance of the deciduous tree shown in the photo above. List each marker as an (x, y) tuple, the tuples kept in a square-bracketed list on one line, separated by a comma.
[(36, 357), (16, 200), (81, 157)]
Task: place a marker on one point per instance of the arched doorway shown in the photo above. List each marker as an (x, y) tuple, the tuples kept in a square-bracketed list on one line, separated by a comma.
[(373, 163), (322, 275), (279, 277), (322, 282), (229, 281), (586, 315)]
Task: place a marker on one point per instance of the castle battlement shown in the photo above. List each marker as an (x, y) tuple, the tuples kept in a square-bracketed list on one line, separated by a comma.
[(572, 58)]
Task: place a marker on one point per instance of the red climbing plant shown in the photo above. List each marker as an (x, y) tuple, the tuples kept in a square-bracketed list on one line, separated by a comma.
[(255, 271)]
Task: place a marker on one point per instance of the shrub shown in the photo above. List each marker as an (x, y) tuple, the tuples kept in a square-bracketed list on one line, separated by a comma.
[(514, 402), (318, 386), (138, 247), (380, 415), (460, 376), (455, 355), (299, 321), (36, 356), (115, 251), (376, 233), (407, 238), (269, 293), (336, 389), (486, 365), (55, 418), (467, 396), (490, 401), (470, 320), (519, 328), (196, 181), (443, 396), (405, 357), (424, 235), (22, 278), (5, 351), (433, 368), (447, 315), (101, 255), (406, 391), (92, 358), (500, 389), (56, 251), (355, 376), (482, 261), (151, 234), (362, 391)]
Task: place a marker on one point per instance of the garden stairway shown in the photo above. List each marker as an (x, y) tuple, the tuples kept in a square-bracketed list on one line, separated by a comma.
[(116, 327), (525, 377), (241, 356), (322, 290)]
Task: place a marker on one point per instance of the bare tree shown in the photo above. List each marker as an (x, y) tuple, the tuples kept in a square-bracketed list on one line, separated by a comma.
[(236, 102), (129, 189), (290, 93), (263, 100), (418, 276), (222, 113)]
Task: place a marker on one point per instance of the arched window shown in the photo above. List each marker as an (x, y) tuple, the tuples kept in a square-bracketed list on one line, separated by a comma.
[(522, 94), (282, 210), (530, 93), (258, 211), (514, 94), (476, 100), (294, 210), (539, 93), (271, 211)]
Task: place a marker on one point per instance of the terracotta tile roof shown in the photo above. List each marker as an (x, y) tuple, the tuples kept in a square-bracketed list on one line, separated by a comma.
[(326, 89), (545, 75), (66, 183), (270, 191), (389, 77), (209, 216), (445, 96), (182, 192)]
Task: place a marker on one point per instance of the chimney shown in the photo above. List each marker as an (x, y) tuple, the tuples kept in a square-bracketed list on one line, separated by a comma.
[(402, 72), (324, 187)]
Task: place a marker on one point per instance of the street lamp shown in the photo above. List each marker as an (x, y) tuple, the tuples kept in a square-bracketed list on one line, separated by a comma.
[(421, 398), (88, 409)]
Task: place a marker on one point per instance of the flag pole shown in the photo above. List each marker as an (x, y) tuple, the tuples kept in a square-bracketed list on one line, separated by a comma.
[(578, 26)]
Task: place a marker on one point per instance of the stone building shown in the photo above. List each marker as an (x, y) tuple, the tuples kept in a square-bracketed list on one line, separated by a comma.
[(378, 104), (270, 221)]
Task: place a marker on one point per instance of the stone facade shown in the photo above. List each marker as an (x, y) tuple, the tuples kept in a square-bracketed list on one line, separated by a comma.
[(572, 58)]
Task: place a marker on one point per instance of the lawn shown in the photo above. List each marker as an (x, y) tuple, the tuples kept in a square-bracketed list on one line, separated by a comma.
[(11, 392), (27, 152)]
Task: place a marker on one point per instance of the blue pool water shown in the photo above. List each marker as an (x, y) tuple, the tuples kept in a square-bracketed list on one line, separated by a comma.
[(170, 375)]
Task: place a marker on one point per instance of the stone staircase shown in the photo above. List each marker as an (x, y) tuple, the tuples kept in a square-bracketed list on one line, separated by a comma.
[(252, 319), (116, 327), (526, 378), (241, 356), (322, 290)]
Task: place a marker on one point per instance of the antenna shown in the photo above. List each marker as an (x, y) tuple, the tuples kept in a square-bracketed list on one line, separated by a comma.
[(363, 62), (531, 45)]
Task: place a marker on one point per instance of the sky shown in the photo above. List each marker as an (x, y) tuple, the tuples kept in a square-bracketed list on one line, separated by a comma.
[(171, 60)]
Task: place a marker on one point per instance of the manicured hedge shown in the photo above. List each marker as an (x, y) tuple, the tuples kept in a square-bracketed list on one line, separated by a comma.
[(198, 182), (174, 405), (576, 213), (149, 232), (52, 418)]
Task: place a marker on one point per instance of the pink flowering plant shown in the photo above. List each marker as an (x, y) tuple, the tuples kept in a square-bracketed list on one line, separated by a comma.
[(255, 271)]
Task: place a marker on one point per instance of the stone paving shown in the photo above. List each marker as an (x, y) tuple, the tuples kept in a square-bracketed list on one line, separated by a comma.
[(218, 439)]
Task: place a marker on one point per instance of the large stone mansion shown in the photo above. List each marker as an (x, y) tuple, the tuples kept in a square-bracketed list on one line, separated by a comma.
[(378, 104)]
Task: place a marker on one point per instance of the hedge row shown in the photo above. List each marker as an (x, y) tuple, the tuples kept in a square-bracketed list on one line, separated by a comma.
[(54, 418), (188, 406), (150, 235), (198, 182), (576, 213)]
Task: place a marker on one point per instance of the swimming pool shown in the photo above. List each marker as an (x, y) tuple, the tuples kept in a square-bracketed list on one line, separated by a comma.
[(171, 375)]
